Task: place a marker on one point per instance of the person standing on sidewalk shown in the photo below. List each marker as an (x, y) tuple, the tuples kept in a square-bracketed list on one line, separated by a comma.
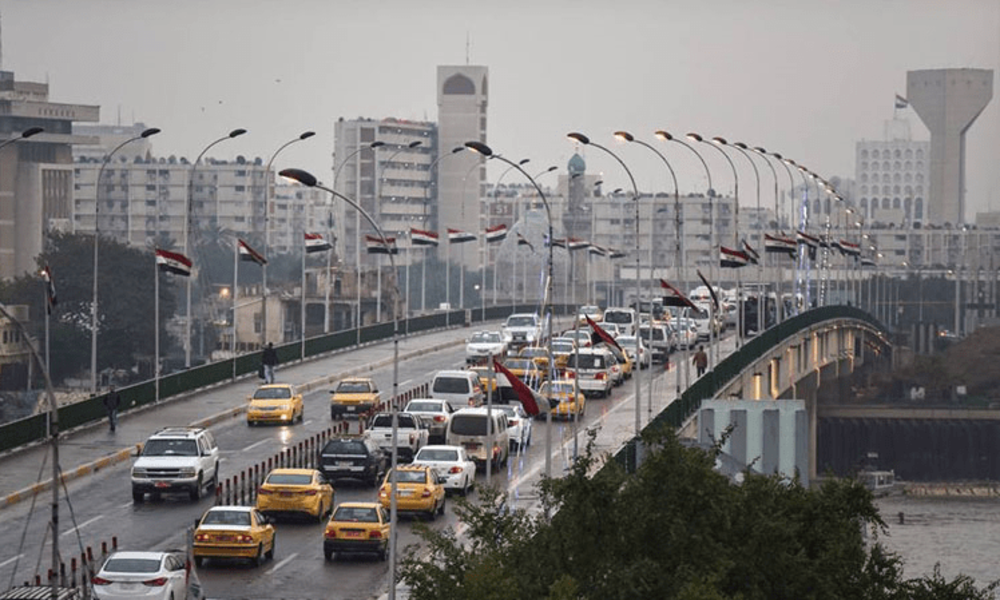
[(112, 400), (700, 360), (269, 360)]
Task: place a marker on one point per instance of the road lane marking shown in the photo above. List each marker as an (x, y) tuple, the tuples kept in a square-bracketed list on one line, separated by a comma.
[(255, 444), (82, 525), (407, 382), (308, 422), (10, 560), (283, 563)]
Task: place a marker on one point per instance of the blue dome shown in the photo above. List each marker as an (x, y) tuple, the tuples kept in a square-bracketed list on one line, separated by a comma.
[(576, 164)]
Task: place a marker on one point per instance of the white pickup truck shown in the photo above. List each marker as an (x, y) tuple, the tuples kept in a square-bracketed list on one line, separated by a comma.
[(412, 434)]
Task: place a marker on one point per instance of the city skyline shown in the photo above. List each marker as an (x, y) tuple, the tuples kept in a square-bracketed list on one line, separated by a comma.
[(808, 80)]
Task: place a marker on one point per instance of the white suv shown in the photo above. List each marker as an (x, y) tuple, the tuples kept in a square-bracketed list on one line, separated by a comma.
[(522, 329), (176, 460)]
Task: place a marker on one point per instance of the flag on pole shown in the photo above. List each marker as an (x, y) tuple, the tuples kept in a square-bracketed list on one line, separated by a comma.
[(612, 253), (457, 236), (524, 393), (173, 262), (50, 289), (901, 102), (522, 241), (578, 244), (377, 246), (867, 262), (316, 243), (849, 248), (599, 335), (496, 234), (779, 244), (674, 297), (559, 243), (750, 252), (249, 254), (809, 241), (732, 259), (597, 250), (419, 237), (711, 290)]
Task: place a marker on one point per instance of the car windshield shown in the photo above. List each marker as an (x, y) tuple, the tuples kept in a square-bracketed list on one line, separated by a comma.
[(468, 424), (272, 393), (591, 361), (657, 333), (617, 316), (521, 322), (556, 388), (409, 476), (522, 363), (424, 407), (485, 338), (289, 479), (626, 340), (227, 517), (510, 411), (353, 387), (344, 447), (356, 514), (168, 447), (437, 454), (132, 565), (562, 347), (533, 352), (451, 385)]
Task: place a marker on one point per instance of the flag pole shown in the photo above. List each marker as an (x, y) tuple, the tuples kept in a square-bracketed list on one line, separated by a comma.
[(236, 272), (156, 332)]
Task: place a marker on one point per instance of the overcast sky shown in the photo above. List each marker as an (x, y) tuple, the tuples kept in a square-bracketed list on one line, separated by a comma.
[(806, 78)]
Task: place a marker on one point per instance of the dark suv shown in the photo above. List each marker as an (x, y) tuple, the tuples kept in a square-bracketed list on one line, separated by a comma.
[(354, 458)]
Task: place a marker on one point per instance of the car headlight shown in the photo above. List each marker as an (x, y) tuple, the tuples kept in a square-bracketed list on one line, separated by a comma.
[(139, 473), (188, 472)]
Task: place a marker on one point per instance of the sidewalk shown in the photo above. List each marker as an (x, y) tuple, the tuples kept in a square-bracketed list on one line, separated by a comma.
[(91, 448)]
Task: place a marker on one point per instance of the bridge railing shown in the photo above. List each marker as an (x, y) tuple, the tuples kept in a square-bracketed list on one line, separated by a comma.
[(34, 428)]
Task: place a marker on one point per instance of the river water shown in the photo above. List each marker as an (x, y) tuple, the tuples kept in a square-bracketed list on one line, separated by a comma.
[(960, 533)]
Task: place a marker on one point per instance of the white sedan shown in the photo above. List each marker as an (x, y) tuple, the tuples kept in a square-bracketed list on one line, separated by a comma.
[(519, 424), (483, 345), (150, 575), (627, 342), (450, 462)]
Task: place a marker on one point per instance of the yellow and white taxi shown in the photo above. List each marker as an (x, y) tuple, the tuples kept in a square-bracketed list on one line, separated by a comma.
[(357, 527), (295, 491), (233, 532), (539, 354), (354, 396), (275, 403), (418, 490), (571, 404)]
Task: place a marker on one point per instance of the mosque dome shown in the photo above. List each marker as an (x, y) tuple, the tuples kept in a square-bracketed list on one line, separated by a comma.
[(576, 164)]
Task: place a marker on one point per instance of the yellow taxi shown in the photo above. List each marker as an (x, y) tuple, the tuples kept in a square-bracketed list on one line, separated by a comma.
[(233, 532), (357, 527), (485, 380), (562, 352), (538, 354), (418, 490), (275, 403), (354, 396), (295, 491), (562, 391), (525, 369), (624, 363)]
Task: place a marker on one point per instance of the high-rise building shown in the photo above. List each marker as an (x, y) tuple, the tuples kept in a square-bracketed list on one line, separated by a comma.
[(891, 176), (36, 174)]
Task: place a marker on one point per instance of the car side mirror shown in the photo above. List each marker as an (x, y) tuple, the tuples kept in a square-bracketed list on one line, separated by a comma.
[(442, 480), (197, 522)]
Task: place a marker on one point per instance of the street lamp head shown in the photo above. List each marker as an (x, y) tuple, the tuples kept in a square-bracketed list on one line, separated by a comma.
[(720, 140), (663, 135), (306, 135), (694, 137), (149, 132), (27, 133), (759, 149), (457, 149), (741, 145), (414, 144), (598, 182), (304, 177), (524, 161), (778, 156), (550, 169), (624, 136), (376, 144), (479, 148), (578, 137), (237, 132)]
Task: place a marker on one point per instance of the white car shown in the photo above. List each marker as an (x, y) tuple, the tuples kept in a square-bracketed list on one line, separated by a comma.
[(519, 423), (149, 575), (627, 342), (483, 345), (436, 413), (451, 463), (522, 329)]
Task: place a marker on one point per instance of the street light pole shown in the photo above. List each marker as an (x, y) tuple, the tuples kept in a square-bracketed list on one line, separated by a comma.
[(761, 295), (267, 238), (762, 153), (378, 206), (97, 234), (27, 133), (423, 263), (187, 241), (309, 180)]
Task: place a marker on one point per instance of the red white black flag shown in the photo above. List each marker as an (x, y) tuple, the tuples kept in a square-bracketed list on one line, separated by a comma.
[(50, 289), (173, 262), (732, 259), (377, 246), (316, 243), (250, 255), (578, 244), (496, 234), (524, 393), (711, 290), (457, 236), (674, 297), (523, 241), (420, 237), (599, 335), (779, 244), (752, 254)]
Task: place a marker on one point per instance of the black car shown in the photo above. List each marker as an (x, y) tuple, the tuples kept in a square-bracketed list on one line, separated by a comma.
[(353, 458)]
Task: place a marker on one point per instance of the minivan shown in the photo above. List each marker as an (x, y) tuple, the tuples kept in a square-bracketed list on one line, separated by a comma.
[(460, 388), (468, 429), (623, 317)]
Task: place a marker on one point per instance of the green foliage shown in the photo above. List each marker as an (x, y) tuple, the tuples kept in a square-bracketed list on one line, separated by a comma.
[(675, 529)]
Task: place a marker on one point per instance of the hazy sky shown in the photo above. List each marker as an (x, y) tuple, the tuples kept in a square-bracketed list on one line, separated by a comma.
[(806, 78)]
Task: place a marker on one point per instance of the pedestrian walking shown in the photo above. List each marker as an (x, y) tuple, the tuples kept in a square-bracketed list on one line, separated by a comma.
[(269, 360), (700, 360), (111, 402)]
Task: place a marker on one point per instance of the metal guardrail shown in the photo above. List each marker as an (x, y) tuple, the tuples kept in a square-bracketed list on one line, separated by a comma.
[(34, 428), (713, 381)]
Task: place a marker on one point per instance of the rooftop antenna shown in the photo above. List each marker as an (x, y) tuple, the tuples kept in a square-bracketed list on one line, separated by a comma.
[(466, 47)]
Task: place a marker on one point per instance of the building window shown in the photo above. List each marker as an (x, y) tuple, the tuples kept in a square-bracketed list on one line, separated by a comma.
[(896, 203), (864, 166), (918, 211), (458, 84), (864, 154)]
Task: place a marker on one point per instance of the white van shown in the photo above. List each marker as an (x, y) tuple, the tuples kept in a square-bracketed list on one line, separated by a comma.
[(624, 318), (467, 429), (460, 388)]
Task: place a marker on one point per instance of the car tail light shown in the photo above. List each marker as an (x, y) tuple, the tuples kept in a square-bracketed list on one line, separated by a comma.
[(309, 492), (438, 419), (375, 534), (244, 538), (514, 421), (426, 493), (601, 376), (100, 581), (155, 582), (412, 438), (330, 533), (455, 470), (264, 491), (201, 537)]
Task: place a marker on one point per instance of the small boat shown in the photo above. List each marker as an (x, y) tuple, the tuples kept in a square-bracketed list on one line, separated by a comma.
[(881, 483)]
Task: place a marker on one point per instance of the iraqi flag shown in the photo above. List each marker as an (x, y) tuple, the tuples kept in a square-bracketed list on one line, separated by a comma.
[(523, 241), (577, 244), (778, 244), (596, 250), (559, 243), (849, 249), (250, 255), (750, 252), (457, 236), (612, 253), (674, 297), (711, 290), (496, 234), (524, 393), (377, 246), (599, 335), (419, 237), (867, 262), (173, 262), (316, 243), (732, 259), (809, 241), (50, 289)]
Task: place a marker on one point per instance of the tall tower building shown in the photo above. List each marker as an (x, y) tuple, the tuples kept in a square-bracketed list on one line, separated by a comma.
[(948, 102), (462, 101)]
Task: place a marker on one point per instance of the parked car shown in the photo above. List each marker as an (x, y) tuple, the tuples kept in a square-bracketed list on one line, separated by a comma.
[(484, 345), (452, 464), (233, 532), (149, 575), (353, 458), (436, 413), (176, 460)]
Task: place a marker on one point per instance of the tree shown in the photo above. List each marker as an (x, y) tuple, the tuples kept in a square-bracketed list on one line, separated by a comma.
[(674, 529)]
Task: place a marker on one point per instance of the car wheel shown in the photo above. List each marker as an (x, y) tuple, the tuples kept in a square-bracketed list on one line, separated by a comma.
[(270, 553), (441, 509), (465, 487), (432, 514), (138, 496), (215, 480), (199, 561), (250, 423), (320, 512), (383, 554), (196, 490), (328, 554), (259, 559)]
